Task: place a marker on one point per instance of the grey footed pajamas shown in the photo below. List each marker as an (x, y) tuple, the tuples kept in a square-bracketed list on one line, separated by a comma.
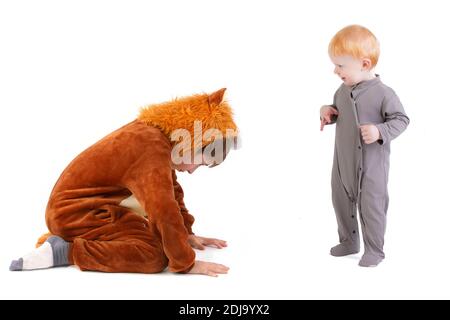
[(360, 171)]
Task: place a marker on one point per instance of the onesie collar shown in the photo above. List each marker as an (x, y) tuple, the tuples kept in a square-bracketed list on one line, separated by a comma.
[(357, 89)]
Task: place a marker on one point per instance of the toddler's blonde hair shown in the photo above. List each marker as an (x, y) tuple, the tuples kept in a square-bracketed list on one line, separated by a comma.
[(357, 42)]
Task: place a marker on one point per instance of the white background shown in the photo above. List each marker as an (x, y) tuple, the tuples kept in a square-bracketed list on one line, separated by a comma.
[(72, 71)]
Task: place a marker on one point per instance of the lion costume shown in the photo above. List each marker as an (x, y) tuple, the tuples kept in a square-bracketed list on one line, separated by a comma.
[(119, 204)]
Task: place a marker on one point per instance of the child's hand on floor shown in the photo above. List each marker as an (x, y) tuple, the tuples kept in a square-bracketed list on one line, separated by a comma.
[(369, 133), (198, 242), (326, 113), (208, 268)]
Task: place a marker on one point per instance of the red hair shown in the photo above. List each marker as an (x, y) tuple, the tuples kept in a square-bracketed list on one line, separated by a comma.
[(357, 42)]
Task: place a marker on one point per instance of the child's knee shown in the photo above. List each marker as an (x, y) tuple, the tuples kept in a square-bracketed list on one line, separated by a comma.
[(58, 224), (158, 267)]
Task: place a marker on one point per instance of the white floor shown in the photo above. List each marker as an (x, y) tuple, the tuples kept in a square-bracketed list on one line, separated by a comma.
[(283, 258)]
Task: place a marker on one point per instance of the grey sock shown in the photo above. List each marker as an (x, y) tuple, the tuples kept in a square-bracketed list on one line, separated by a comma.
[(344, 250), (60, 251), (16, 265), (370, 260)]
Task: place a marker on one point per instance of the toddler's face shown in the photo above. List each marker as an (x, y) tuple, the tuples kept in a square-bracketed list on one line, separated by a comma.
[(351, 70)]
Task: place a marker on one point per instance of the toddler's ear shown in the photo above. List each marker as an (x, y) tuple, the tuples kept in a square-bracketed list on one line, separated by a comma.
[(216, 98)]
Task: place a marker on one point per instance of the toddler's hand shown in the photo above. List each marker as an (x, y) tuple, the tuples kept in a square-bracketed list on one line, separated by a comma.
[(369, 133), (326, 112)]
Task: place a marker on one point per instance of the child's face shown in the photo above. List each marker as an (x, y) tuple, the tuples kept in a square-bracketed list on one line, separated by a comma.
[(351, 70), (188, 167), (183, 167)]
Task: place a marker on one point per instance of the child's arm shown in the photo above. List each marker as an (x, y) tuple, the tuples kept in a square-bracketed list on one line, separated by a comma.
[(328, 114), (396, 119), (179, 196), (151, 183)]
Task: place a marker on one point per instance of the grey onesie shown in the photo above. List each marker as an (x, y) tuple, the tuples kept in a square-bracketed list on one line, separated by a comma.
[(360, 171)]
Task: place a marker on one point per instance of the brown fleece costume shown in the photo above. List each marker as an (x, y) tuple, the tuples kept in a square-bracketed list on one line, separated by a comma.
[(84, 206)]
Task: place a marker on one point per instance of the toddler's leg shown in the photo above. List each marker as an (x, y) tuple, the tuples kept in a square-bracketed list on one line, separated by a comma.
[(373, 209), (347, 221)]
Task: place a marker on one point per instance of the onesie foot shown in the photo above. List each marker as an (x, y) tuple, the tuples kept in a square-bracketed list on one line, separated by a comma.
[(369, 260), (342, 250)]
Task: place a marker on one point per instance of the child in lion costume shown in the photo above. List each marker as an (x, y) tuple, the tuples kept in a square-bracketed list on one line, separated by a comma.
[(118, 207)]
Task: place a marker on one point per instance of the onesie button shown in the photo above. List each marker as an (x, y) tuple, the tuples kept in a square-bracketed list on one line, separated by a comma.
[(360, 169), (359, 147), (354, 231), (353, 216)]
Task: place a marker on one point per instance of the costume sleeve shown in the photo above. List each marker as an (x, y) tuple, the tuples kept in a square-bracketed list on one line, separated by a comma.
[(395, 117), (179, 196), (153, 188)]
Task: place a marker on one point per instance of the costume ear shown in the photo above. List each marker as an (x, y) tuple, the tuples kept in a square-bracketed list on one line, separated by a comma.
[(216, 98)]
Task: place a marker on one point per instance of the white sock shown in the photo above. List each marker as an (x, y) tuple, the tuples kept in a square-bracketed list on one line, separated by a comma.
[(52, 253), (39, 258)]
